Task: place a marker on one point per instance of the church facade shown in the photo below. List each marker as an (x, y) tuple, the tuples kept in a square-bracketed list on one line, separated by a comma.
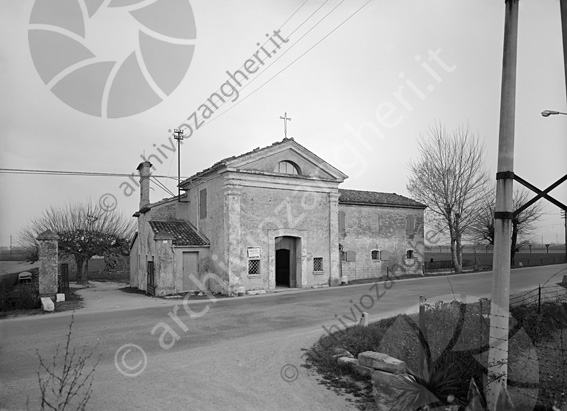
[(272, 217)]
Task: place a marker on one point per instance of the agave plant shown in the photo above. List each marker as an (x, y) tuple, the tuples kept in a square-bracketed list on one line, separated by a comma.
[(503, 403), (429, 389), (432, 392)]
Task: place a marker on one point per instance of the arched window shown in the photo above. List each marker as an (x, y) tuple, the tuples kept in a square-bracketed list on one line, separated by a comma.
[(409, 254), (288, 167), (376, 255)]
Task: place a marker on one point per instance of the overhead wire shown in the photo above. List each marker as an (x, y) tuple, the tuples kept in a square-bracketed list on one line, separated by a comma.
[(290, 64), (162, 186), (72, 173), (266, 42)]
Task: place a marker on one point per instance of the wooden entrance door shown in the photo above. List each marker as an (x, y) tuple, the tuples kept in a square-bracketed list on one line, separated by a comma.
[(286, 261), (190, 267)]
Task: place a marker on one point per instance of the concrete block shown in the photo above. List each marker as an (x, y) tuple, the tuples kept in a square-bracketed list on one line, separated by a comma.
[(382, 362), (60, 297), (255, 292), (47, 304), (355, 366), (347, 360), (387, 388), (341, 352)]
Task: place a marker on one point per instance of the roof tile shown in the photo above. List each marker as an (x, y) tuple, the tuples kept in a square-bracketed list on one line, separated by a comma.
[(182, 232), (375, 198)]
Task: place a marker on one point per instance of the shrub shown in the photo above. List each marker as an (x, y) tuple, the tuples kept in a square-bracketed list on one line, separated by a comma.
[(19, 297)]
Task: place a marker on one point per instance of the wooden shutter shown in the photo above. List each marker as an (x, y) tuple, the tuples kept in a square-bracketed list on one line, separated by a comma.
[(342, 227), (203, 203), (351, 256), (410, 224)]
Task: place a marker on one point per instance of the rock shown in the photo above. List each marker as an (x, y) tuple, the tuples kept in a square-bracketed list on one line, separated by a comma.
[(387, 388), (255, 292), (341, 352), (355, 366), (382, 362), (47, 304)]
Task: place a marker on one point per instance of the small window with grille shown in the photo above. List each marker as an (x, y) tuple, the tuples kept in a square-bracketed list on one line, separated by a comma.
[(253, 267), (376, 255), (318, 264)]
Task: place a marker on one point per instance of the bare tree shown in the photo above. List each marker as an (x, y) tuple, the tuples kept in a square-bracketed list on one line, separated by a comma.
[(84, 230), (449, 177), (523, 224), (66, 381)]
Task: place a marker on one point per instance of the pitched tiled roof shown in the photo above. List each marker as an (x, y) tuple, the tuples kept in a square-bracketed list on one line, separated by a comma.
[(375, 198), (182, 232), (226, 160)]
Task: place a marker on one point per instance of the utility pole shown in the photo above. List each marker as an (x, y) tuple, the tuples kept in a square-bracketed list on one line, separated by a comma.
[(178, 136), (564, 216), (563, 11), (499, 315)]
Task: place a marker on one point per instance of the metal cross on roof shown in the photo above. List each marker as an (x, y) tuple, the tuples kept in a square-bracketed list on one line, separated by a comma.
[(285, 119)]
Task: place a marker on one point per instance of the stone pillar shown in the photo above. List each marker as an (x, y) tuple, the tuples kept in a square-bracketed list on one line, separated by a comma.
[(334, 255), (49, 263), (232, 233)]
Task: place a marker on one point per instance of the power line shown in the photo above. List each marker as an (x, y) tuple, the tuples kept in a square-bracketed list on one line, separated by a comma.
[(266, 42), (289, 48), (71, 173), (294, 61), (162, 186)]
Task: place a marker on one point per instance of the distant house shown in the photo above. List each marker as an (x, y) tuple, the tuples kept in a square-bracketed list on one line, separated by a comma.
[(272, 217)]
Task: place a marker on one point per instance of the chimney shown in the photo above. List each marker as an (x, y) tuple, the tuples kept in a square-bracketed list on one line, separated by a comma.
[(144, 170)]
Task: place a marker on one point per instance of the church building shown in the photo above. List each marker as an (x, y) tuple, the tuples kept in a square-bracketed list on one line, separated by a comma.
[(274, 217)]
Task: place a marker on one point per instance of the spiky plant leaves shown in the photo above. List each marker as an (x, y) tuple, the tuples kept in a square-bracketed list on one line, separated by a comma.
[(504, 402), (474, 398)]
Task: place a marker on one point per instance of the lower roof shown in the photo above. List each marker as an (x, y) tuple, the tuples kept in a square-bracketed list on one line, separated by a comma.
[(182, 232), (358, 197)]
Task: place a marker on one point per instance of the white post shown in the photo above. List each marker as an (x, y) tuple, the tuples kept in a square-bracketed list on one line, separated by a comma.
[(498, 339)]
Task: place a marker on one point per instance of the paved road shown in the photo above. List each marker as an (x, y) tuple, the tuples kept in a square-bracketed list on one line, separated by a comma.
[(232, 356)]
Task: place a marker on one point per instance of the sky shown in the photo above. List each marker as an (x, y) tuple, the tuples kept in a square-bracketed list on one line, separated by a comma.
[(361, 81)]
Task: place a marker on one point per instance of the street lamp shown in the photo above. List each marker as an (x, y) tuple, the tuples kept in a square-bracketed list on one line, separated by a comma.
[(547, 113)]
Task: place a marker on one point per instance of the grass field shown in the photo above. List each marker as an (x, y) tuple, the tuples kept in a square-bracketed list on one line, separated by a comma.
[(9, 271), (485, 259)]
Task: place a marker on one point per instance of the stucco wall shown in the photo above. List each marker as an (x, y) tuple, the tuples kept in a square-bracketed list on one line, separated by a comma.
[(269, 212), (269, 163), (370, 228)]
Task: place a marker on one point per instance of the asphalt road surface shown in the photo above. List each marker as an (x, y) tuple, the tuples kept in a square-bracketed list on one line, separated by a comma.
[(234, 354)]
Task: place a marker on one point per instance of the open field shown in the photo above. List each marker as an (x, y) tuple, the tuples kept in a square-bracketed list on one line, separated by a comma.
[(9, 271), (484, 260)]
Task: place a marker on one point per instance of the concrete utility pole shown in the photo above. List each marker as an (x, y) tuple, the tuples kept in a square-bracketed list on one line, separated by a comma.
[(563, 10), (178, 136), (498, 338), (564, 216)]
